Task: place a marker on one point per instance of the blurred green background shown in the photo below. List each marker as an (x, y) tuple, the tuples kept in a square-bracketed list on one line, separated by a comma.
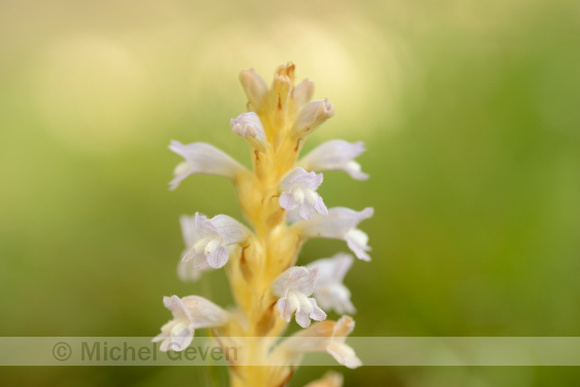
[(470, 112)]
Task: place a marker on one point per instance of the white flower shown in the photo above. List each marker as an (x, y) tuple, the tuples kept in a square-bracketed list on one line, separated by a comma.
[(189, 313), (326, 336), (329, 290), (255, 87), (340, 223), (187, 271), (202, 158), (336, 155), (293, 287), (299, 191), (249, 126), (311, 116), (210, 238)]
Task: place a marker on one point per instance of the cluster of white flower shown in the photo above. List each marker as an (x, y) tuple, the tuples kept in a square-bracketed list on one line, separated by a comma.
[(303, 291)]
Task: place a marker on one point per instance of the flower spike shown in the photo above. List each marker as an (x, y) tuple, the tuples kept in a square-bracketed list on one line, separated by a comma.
[(299, 191), (336, 155), (202, 158), (279, 199)]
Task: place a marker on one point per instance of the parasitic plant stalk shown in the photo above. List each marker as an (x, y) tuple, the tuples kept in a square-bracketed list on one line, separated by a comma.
[(280, 202)]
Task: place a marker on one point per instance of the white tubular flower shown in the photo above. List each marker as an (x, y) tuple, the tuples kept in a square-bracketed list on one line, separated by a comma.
[(302, 93), (255, 87), (202, 158), (326, 336), (340, 223), (189, 313), (210, 239), (293, 287), (249, 126), (329, 290), (311, 116), (299, 191), (343, 353), (186, 271), (336, 155)]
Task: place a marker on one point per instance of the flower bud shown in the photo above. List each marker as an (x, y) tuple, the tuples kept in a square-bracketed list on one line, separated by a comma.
[(312, 116), (255, 87)]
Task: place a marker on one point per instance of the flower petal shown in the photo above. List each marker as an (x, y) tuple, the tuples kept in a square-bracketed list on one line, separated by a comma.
[(177, 308), (296, 279), (204, 313), (229, 229), (288, 201), (219, 257), (306, 210), (303, 318), (285, 309), (178, 341), (317, 313), (357, 240)]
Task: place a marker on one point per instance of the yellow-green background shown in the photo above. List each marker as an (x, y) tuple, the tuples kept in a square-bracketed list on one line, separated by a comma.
[(469, 109)]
